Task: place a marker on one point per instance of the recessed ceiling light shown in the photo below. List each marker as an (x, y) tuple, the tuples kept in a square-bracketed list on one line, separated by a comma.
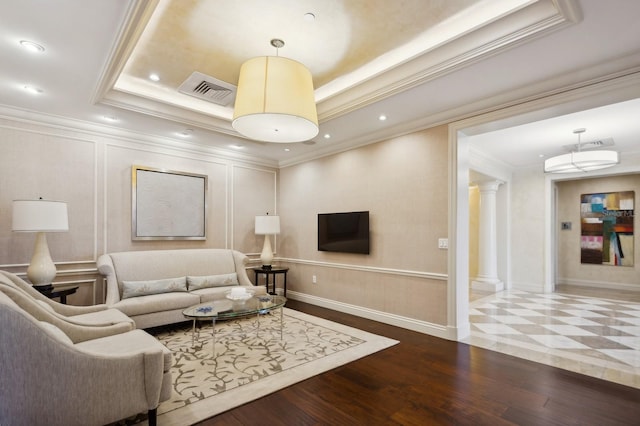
[(154, 77), (185, 133), (31, 46), (327, 136), (309, 17), (287, 149), (237, 146), (110, 118), (32, 89), (382, 117)]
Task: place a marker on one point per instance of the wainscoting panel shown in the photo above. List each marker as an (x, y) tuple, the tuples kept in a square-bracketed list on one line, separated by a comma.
[(411, 295)]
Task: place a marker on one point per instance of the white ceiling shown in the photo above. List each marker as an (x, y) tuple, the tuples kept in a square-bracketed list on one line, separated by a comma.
[(420, 62)]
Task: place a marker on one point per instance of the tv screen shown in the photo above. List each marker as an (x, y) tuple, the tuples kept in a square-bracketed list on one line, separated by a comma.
[(344, 232)]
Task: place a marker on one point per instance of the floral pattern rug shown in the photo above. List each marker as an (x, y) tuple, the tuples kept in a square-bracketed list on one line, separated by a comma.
[(251, 360)]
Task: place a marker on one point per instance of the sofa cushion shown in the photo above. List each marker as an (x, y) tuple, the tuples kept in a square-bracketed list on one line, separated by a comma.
[(207, 281), (145, 288), (156, 303)]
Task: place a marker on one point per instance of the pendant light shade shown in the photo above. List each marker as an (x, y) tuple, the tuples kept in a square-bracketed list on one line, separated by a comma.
[(581, 161), (275, 101)]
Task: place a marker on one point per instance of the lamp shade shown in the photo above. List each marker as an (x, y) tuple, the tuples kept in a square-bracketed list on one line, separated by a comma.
[(267, 225), (581, 161), (40, 216), (275, 101)]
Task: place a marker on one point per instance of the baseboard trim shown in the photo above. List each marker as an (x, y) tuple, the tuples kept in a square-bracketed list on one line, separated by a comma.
[(436, 330), (599, 284)]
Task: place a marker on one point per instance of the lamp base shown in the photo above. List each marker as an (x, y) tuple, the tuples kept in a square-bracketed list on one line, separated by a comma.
[(267, 254), (41, 270), (266, 267)]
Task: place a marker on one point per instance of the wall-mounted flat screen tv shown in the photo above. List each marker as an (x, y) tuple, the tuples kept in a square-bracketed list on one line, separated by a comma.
[(344, 232)]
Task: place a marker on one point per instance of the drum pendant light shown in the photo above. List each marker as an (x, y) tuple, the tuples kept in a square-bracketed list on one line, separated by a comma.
[(275, 100)]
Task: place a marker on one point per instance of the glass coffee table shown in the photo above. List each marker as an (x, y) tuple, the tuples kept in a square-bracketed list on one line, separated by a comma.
[(225, 309)]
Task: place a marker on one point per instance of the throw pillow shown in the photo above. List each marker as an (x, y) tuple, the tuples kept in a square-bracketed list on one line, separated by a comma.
[(223, 280), (145, 288)]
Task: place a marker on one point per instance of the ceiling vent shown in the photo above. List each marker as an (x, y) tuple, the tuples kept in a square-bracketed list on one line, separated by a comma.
[(586, 146), (208, 88)]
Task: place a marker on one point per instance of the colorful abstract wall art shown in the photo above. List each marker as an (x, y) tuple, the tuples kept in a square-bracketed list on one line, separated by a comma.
[(607, 228)]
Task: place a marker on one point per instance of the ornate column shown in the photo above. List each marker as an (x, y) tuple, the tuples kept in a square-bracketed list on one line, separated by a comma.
[(487, 279)]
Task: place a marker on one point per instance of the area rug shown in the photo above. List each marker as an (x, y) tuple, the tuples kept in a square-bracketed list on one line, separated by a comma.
[(251, 360)]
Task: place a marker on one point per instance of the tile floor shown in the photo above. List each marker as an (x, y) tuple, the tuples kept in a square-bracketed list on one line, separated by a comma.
[(592, 336)]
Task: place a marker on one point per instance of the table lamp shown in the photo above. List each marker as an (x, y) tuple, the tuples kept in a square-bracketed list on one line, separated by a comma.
[(40, 216), (267, 225)]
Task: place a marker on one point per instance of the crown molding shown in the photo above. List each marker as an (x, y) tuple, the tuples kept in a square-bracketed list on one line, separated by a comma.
[(533, 20), (75, 127)]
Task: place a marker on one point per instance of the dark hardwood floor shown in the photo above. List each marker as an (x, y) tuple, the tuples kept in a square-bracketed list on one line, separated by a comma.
[(429, 381)]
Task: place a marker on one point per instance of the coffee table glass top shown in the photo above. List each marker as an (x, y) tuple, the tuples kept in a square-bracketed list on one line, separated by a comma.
[(226, 309)]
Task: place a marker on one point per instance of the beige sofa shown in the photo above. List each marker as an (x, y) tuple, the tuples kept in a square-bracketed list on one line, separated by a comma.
[(154, 287), (58, 372)]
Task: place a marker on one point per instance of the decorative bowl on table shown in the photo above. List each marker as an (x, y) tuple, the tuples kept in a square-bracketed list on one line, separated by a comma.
[(235, 294)]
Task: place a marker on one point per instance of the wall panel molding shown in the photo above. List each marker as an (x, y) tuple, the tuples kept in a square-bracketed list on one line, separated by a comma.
[(370, 269)]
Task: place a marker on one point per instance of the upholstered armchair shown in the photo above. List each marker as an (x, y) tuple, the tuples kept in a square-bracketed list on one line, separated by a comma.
[(47, 378), (77, 332), (82, 315)]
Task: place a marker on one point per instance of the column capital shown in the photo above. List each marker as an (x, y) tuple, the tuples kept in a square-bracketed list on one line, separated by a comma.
[(489, 185)]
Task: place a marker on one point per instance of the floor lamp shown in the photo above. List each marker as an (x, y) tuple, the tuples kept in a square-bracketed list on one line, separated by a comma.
[(40, 216), (267, 225)]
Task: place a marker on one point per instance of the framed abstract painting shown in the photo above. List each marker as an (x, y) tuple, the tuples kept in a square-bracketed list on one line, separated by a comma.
[(168, 205), (606, 234)]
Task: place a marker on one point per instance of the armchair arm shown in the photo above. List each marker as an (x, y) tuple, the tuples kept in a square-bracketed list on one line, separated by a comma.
[(76, 332), (74, 385), (66, 310), (71, 310)]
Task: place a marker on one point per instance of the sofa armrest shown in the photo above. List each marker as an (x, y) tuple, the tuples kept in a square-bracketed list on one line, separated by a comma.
[(106, 268), (241, 260)]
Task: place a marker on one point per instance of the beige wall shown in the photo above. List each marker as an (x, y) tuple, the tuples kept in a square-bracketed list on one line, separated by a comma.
[(528, 229), (570, 270), (402, 182), (92, 173)]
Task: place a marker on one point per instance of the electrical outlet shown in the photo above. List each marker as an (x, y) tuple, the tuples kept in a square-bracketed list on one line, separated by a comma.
[(443, 243), (314, 279)]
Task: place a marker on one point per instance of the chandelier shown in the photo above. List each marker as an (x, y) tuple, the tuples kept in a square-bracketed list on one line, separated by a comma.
[(581, 161)]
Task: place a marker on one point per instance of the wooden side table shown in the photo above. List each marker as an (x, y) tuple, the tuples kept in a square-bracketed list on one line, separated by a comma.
[(51, 292), (275, 270)]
